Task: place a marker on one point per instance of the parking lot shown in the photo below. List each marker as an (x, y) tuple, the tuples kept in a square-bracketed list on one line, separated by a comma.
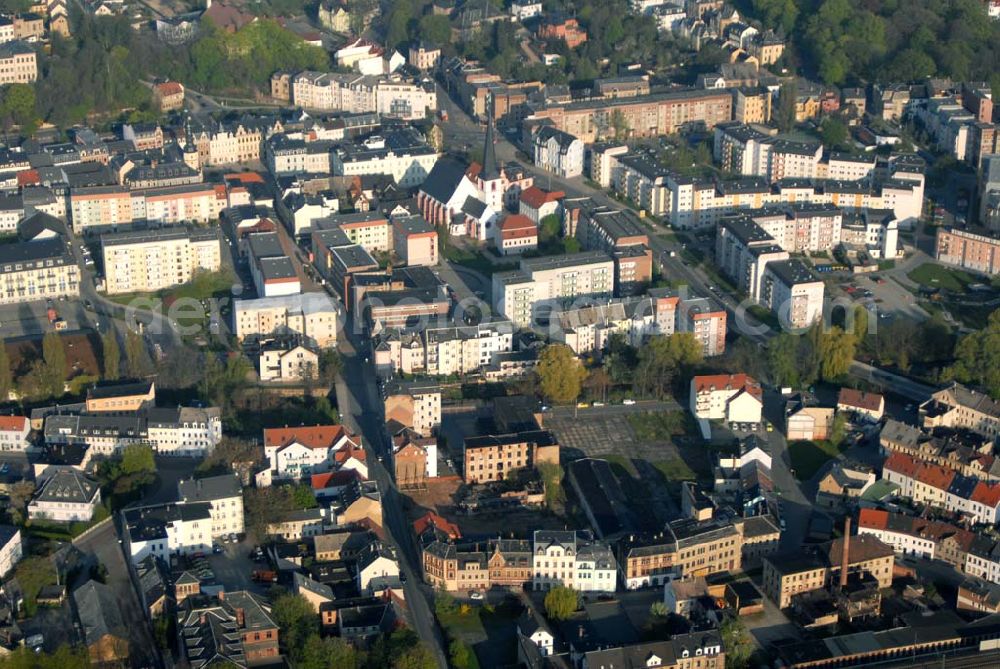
[(31, 318)]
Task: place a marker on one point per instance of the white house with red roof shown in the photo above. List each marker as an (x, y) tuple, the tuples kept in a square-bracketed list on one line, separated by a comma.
[(861, 403), (733, 398), (14, 431), (296, 452), (536, 203), (515, 234)]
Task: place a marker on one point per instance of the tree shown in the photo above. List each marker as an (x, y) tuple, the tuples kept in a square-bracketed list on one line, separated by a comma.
[(977, 357), (112, 356), (838, 431), (6, 375), (18, 108), (597, 384), (138, 459), (619, 124), (782, 358), (435, 28), (560, 374), (296, 621), (303, 496), (18, 497), (836, 352), (459, 654), (785, 113), (834, 132), (55, 370), (135, 354), (658, 609), (737, 642), (65, 657), (327, 653), (561, 602), (661, 358), (330, 366)]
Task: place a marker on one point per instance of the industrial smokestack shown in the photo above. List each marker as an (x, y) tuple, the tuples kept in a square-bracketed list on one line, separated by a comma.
[(845, 559)]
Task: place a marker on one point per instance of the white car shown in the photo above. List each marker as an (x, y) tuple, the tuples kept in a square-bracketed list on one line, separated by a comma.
[(628, 403), (475, 595)]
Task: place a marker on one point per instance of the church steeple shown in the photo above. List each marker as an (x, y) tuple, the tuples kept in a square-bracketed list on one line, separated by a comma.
[(490, 170)]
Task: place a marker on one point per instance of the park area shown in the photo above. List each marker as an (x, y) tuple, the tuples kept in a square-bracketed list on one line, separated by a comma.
[(937, 276)]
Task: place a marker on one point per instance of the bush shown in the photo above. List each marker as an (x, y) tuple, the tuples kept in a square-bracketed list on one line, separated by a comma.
[(561, 602)]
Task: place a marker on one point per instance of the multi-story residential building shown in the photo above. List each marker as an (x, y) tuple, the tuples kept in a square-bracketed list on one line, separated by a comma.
[(285, 360), (602, 161), (734, 398), (186, 431), (231, 143), (792, 292), (18, 63), (37, 270), (11, 549), (312, 316), (968, 453), (286, 155), (149, 260), (424, 55), (167, 529), (223, 494), (334, 91), (959, 406), (465, 350), (491, 457), (273, 272), (642, 115), (234, 627), (198, 203), (414, 240), (800, 228), (861, 403), (295, 452), (546, 281), (788, 575), (752, 105), (370, 230), (557, 151), (696, 203), (742, 251), (408, 100), (402, 154), (968, 250), (910, 536), (943, 488), (66, 496), (414, 405), (100, 208), (572, 559), (14, 431)]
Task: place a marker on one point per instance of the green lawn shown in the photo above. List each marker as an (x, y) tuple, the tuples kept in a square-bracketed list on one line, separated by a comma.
[(675, 469), (475, 260), (936, 276), (661, 426), (808, 456)]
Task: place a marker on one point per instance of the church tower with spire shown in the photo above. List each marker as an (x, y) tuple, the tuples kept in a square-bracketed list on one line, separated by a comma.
[(490, 180)]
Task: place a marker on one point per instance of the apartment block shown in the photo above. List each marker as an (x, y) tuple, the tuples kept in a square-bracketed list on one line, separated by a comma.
[(415, 240), (558, 152), (402, 154), (742, 251), (735, 398), (312, 316), (959, 406), (18, 63), (491, 457), (550, 280), (286, 155), (968, 250), (149, 260), (99, 208), (38, 270), (572, 559), (223, 494), (793, 292), (189, 203), (370, 230), (414, 405), (643, 115), (273, 272)]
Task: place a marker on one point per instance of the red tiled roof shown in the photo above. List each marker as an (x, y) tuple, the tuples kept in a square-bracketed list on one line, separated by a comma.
[(517, 226), (875, 519), (244, 177), (348, 451), (902, 463), (987, 494), (935, 475), (860, 399), (316, 436), (431, 519), (535, 197), (169, 88), (28, 177), (728, 381), (12, 423), (334, 479)]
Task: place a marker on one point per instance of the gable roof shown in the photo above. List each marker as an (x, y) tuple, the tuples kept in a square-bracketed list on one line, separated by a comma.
[(860, 399), (443, 180), (734, 382), (315, 436), (535, 197), (98, 612)]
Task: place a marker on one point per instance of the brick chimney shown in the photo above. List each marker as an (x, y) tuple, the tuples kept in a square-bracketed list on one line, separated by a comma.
[(845, 559)]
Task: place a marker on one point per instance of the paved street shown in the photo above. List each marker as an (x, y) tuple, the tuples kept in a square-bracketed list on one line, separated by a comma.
[(361, 409)]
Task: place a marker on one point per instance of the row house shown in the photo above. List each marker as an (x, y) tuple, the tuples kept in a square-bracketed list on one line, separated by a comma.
[(909, 536), (570, 558), (959, 406), (179, 431), (937, 486), (967, 453)]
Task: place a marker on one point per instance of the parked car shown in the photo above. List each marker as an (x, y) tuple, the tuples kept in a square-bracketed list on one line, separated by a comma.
[(475, 595), (628, 402)]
